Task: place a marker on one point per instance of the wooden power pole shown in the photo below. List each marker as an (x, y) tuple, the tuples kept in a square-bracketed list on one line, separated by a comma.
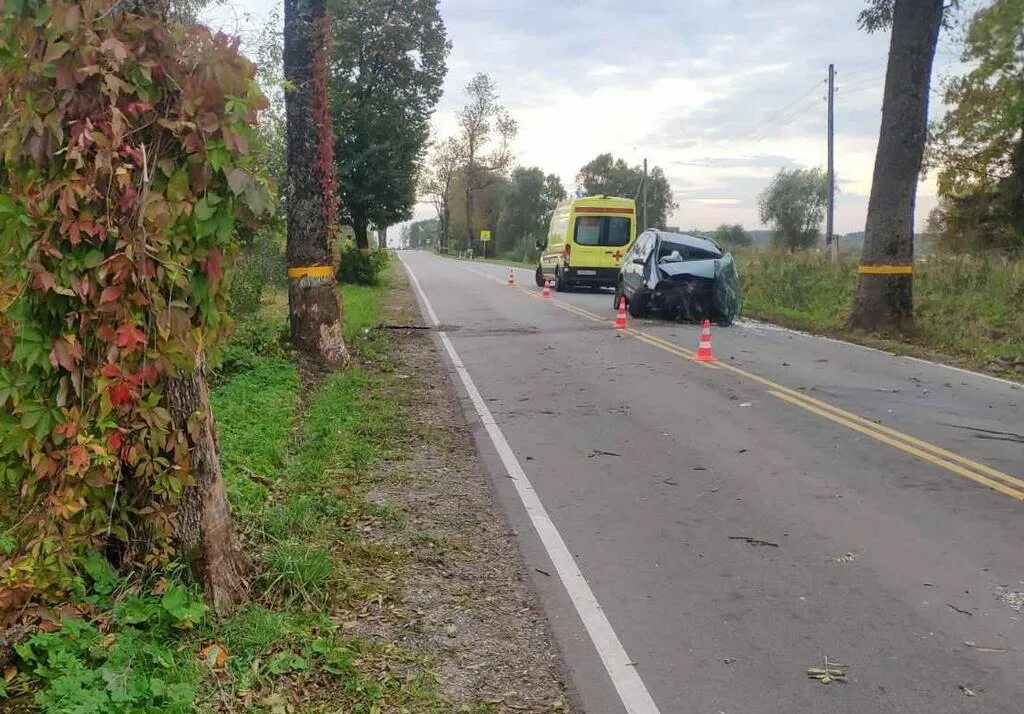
[(830, 237)]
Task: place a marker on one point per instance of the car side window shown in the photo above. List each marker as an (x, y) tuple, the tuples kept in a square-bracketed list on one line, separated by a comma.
[(644, 246)]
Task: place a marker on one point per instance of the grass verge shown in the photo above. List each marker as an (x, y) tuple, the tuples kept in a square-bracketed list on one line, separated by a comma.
[(968, 310)]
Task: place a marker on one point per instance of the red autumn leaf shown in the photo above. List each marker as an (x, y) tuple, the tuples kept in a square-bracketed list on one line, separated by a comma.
[(111, 293), (120, 394), (42, 280), (149, 373), (111, 371), (78, 458), (213, 270), (115, 48), (115, 440), (66, 353), (129, 337)]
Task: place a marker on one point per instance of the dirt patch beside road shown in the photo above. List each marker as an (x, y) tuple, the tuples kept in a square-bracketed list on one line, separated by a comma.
[(465, 596)]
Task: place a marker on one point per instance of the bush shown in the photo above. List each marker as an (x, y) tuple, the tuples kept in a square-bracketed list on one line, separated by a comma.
[(362, 267), (253, 342), (260, 263)]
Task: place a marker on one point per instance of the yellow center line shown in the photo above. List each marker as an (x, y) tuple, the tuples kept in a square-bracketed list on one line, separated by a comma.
[(867, 423), (949, 466), (948, 460)]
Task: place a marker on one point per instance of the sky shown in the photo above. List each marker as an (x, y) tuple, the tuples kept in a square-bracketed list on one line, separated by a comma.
[(719, 93)]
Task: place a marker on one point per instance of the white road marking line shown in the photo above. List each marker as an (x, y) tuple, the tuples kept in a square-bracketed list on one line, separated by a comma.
[(630, 687)]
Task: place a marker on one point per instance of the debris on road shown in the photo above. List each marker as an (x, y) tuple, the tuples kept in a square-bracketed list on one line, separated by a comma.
[(967, 690), (1014, 599), (989, 650), (954, 608), (729, 660), (847, 557), (832, 672), (598, 452), (755, 541)]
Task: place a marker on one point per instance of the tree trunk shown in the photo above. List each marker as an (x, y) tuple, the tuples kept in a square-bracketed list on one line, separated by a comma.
[(884, 300), (205, 530), (469, 205), (313, 310), (361, 228), (382, 238)]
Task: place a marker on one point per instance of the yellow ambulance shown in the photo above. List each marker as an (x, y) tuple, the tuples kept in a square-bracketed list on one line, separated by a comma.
[(587, 241)]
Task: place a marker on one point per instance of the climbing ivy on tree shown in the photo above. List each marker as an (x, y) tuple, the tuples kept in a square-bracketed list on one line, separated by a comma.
[(124, 165)]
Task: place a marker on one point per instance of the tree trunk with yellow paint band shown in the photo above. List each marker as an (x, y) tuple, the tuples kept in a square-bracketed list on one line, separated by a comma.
[(884, 300), (313, 309)]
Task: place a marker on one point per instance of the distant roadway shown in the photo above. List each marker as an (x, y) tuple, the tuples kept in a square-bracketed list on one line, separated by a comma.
[(702, 536)]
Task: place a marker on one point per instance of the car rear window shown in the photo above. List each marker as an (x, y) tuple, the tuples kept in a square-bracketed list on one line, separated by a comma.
[(686, 252), (601, 230)]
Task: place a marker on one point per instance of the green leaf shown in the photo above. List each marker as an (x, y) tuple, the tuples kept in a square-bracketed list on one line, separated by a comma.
[(178, 186), (180, 606), (218, 157), (98, 568)]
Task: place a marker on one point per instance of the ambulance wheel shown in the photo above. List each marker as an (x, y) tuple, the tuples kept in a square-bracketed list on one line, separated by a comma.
[(561, 285)]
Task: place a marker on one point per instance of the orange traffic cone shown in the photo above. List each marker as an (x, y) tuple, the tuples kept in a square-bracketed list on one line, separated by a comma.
[(620, 318), (511, 282), (704, 351), (546, 293)]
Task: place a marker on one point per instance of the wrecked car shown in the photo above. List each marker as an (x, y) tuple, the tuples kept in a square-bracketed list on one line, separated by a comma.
[(680, 276)]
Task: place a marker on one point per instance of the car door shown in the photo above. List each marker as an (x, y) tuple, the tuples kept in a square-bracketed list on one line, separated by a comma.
[(633, 267)]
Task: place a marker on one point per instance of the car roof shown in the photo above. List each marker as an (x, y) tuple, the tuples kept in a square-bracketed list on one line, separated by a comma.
[(689, 240)]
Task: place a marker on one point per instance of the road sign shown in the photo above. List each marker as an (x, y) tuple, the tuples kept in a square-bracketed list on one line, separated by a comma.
[(485, 236)]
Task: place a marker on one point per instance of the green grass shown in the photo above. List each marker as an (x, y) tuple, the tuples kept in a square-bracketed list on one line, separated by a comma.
[(968, 309), (254, 413)]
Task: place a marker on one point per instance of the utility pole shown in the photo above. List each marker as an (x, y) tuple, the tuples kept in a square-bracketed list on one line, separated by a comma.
[(644, 203), (830, 217)]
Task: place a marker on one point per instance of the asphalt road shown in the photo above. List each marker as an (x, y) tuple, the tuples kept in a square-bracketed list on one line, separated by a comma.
[(738, 524)]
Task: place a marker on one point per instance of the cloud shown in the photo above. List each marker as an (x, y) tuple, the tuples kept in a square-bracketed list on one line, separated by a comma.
[(720, 93)]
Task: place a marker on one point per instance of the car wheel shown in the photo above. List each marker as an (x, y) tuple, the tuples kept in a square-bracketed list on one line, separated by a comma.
[(560, 283), (540, 277), (638, 306), (618, 296)]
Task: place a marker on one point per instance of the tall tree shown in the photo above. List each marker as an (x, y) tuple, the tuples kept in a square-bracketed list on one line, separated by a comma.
[(439, 184), (732, 236), (607, 176), (486, 131), (794, 206), (526, 209), (979, 144), (313, 310), (884, 299), (386, 72)]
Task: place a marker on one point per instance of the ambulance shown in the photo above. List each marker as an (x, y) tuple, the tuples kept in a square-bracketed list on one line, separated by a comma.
[(587, 241)]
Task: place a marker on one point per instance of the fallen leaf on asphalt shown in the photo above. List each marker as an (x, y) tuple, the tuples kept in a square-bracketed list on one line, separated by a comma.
[(966, 690)]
